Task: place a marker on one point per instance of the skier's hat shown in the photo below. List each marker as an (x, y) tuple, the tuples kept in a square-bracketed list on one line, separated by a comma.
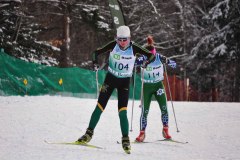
[(123, 31), (150, 45)]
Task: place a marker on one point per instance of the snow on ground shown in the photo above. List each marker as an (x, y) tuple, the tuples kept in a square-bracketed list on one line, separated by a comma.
[(212, 130)]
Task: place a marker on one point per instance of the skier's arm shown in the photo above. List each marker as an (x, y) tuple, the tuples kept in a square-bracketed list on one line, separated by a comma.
[(140, 50), (168, 61), (107, 48), (163, 59)]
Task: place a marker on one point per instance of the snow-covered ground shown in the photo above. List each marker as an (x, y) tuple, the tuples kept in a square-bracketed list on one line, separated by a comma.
[(212, 130)]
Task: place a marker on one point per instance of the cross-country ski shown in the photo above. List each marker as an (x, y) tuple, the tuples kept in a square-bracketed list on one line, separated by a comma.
[(74, 143)]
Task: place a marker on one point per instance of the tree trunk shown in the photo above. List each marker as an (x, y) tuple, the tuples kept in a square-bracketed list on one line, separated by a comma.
[(237, 81), (214, 89), (64, 60)]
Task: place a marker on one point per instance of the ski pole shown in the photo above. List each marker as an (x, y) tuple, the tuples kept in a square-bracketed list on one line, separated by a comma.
[(142, 77), (133, 95), (97, 82), (170, 94)]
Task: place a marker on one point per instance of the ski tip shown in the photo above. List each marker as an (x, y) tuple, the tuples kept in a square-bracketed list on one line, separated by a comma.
[(176, 141), (46, 141), (138, 142), (75, 143)]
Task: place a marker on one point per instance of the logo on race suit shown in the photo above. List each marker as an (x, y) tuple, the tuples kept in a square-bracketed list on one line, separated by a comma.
[(116, 56), (140, 59), (149, 69), (126, 57), (156, 67), (104, 88), (160, 92)]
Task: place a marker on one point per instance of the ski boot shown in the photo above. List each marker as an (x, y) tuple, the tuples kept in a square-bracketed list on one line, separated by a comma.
[(141, 137), (126, 144), (165, 133), (86, 137)]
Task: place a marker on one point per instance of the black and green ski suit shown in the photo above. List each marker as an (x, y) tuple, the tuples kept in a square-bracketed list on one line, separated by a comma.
[(120, 70)]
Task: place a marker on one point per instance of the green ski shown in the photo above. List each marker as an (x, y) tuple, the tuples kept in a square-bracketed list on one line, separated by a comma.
[(74, 143)]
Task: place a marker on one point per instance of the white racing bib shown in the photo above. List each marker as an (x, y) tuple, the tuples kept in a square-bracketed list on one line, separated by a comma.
[(154, 71), (121, 62)]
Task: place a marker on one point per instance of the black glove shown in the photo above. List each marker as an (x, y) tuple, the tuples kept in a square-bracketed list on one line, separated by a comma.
[(95, 67), (164, 59)]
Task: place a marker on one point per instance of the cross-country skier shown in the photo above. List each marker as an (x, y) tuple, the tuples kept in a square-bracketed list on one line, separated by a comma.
[(153, 86), (121, 62)]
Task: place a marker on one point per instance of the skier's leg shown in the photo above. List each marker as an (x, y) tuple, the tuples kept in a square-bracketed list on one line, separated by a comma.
[(160, 96), (105, 93), (123, 96), (144, 113)]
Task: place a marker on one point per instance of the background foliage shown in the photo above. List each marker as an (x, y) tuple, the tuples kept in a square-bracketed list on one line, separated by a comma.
[(202, 36)]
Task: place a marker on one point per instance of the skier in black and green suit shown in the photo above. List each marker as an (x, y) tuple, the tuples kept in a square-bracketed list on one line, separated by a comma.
[(121, 63)]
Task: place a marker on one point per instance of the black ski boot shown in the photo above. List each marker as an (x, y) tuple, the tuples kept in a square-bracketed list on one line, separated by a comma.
[(86, 137), (126, 144)]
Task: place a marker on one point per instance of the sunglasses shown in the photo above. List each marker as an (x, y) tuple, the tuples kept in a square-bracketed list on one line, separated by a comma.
[(122, 39)]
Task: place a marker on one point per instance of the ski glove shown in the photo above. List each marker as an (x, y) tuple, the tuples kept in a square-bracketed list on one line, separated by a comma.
[(172, 63), (139, 61), (163, 59)]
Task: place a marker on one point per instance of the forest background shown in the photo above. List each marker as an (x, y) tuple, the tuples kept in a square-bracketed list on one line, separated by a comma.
[(202, 36)]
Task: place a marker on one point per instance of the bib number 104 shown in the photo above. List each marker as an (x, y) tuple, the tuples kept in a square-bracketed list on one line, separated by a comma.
[(121, 66)]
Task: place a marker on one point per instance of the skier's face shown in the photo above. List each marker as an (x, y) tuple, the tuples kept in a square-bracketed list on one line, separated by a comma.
[(123, 42)]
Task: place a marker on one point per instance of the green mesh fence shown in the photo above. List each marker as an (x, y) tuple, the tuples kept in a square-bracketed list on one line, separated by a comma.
[(18, 77)]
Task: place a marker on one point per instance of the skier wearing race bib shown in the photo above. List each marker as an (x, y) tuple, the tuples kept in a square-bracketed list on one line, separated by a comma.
[(121, 63), (153, 85)]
